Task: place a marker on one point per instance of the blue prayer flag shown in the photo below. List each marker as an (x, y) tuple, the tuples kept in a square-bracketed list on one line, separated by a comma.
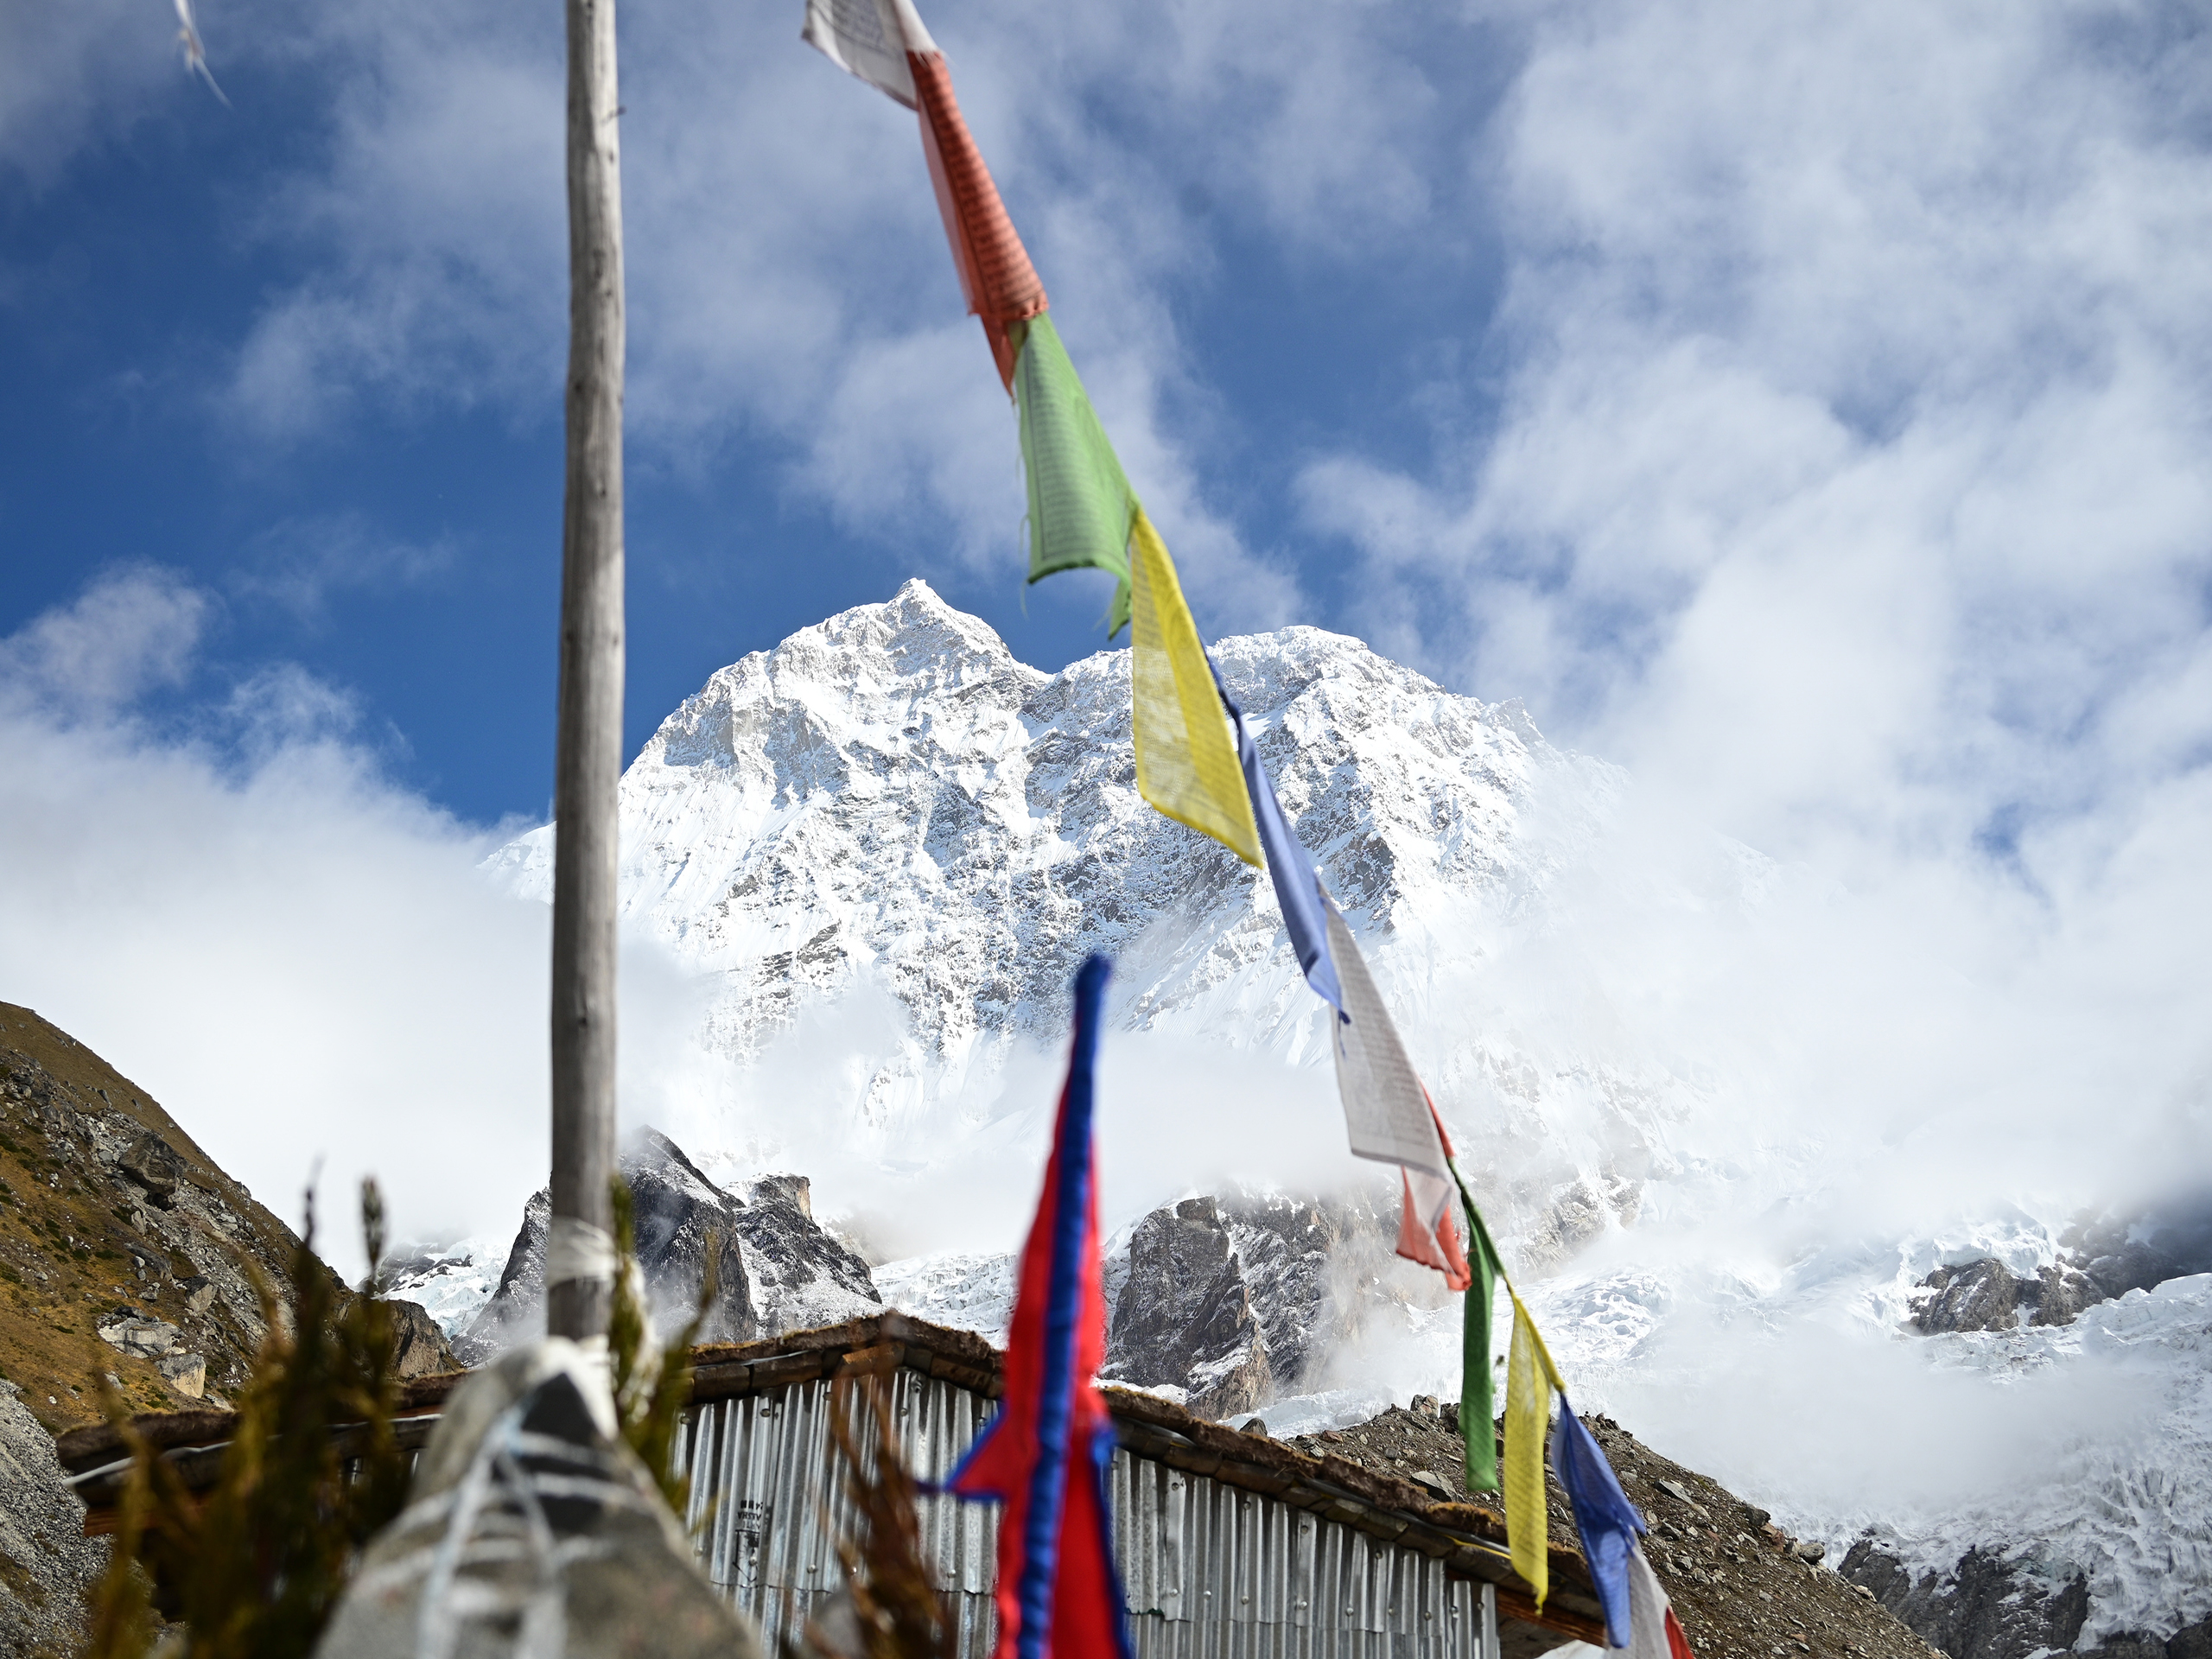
[(1606, 1519), (1297, 889)]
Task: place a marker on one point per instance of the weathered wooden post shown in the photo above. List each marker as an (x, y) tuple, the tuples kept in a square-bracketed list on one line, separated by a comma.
[(588, 769)]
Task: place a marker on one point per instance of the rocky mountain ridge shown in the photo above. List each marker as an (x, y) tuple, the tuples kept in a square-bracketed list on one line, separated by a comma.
[(2101, 1256), (772, 1267)]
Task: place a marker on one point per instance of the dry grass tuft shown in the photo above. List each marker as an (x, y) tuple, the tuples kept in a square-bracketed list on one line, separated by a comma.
[(255, 1567)]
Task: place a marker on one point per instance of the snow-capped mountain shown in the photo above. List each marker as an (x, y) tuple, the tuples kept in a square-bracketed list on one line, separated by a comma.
[(889, 812), (880, 850)]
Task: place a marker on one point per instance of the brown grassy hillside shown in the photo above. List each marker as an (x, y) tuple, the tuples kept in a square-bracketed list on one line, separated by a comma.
[(108, 1209)]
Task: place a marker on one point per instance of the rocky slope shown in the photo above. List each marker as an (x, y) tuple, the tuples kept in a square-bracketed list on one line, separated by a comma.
[(47, 1566), (128, 1257), (2140, 1281), (124, 1250), (1743, 1588)]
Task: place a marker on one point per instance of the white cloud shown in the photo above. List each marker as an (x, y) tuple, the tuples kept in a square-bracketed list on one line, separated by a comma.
[(299, 960), (134, 629), (1847, 476), (301, 563), (788, 283)]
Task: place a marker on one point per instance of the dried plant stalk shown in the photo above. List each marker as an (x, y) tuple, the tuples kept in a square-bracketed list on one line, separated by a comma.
[(255, 1565), (887, 1574), (651, 1387)]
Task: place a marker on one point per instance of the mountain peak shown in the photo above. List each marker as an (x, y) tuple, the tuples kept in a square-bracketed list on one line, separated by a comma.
[(889, 796)]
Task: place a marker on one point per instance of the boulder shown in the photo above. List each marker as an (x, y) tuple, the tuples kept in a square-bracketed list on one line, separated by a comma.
[(185, 1373), (421, 1347), (153, 1165), (138, 1334)]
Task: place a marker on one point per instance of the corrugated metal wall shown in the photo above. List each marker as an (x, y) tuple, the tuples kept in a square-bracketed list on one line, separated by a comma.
[(1211, 1571)]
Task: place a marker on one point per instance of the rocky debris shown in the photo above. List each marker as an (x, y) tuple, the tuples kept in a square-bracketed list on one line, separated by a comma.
[(47, 1566), (1994, 1603), (1184, 1317), (423, 1350), (777, 1267), (565, 1547), (1743, 1588)]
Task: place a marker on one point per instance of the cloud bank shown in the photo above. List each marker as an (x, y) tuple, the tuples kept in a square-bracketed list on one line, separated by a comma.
[(298, 960)]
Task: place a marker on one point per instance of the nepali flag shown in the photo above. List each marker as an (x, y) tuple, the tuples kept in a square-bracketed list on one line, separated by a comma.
[(1044, 1455)]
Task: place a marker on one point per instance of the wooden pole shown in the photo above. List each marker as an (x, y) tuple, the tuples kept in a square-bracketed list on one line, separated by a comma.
[(588, 769)]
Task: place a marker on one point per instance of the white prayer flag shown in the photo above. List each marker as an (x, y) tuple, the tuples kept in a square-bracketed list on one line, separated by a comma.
[(870, 39), (1387, 1113)]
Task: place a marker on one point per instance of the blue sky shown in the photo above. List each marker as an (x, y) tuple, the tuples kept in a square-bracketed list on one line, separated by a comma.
[(1805, 407), (393, 528)]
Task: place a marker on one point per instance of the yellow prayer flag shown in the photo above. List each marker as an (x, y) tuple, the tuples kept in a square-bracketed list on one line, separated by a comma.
[(1186, 763), (1530, 1376)]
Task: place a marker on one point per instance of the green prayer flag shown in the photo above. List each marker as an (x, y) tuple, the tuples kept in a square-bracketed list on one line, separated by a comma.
[(1080, 505), (1477, 1422)]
